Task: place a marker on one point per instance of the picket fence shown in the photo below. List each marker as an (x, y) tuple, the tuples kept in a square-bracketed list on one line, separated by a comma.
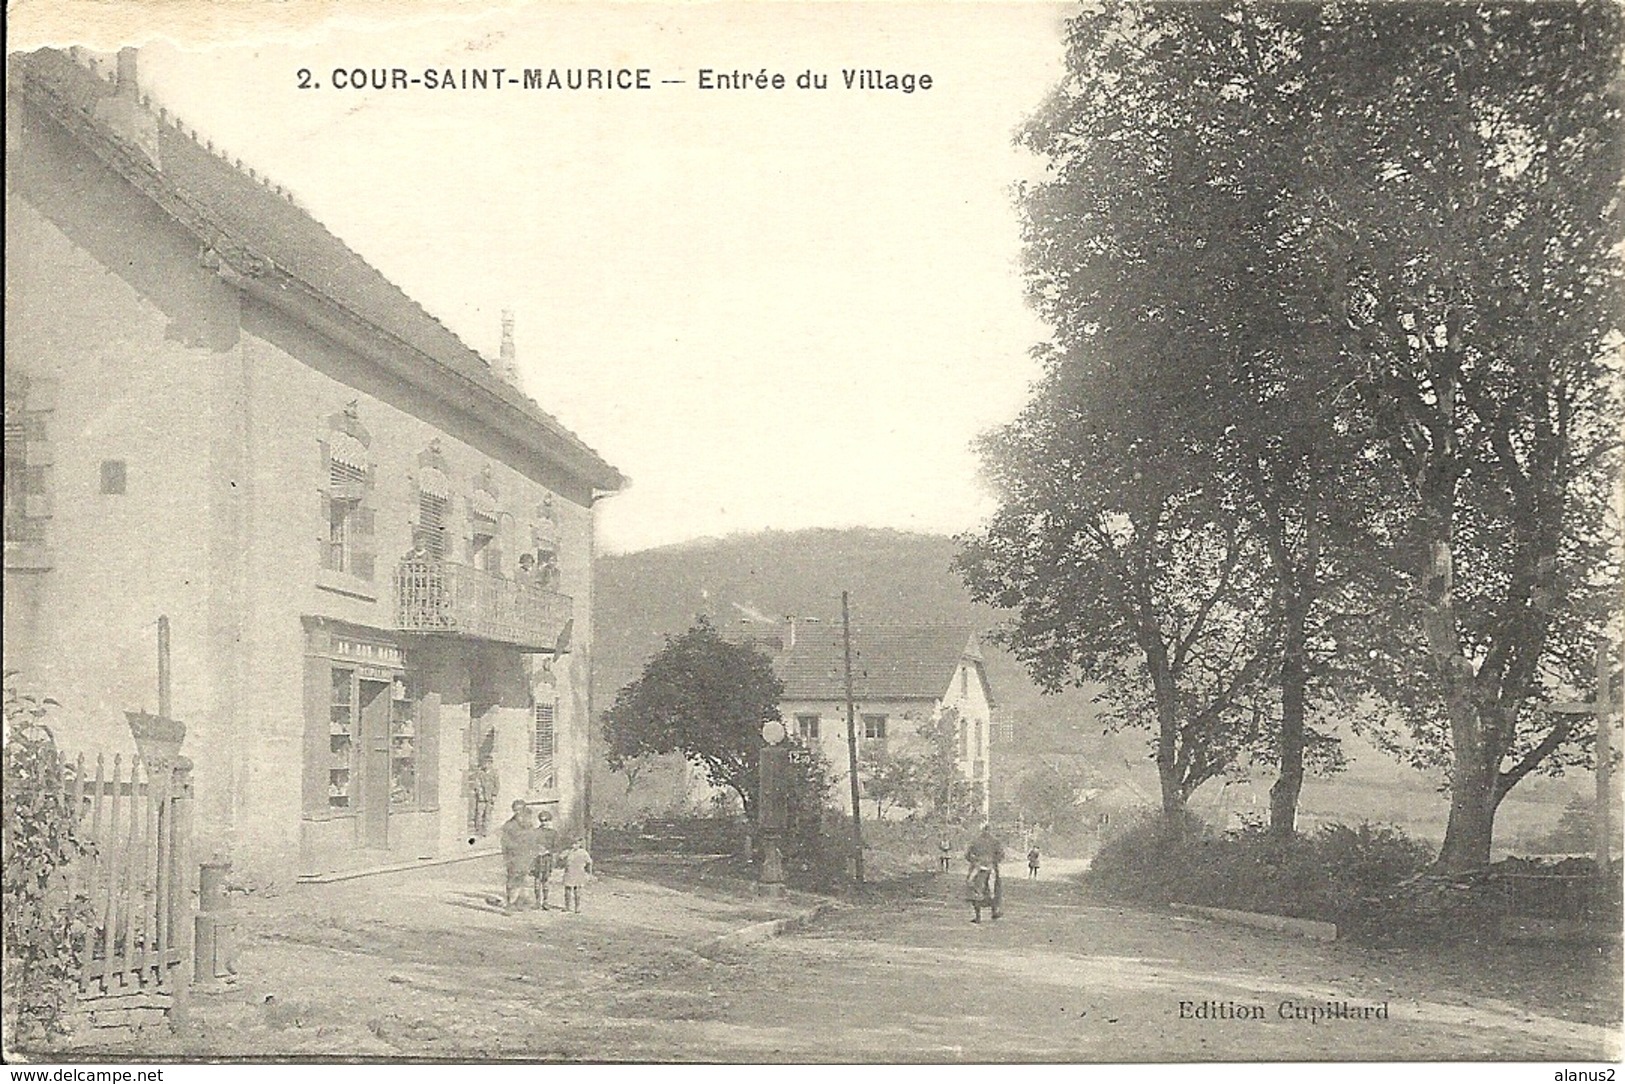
[(138, 819)]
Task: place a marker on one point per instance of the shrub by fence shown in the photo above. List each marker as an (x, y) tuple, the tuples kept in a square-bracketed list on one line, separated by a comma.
[(1341, 874)]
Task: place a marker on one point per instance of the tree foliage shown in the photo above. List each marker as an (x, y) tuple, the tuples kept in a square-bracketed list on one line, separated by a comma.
[(952, 798), (1330, 402), (892, 778), (46, 922), (704, 697)]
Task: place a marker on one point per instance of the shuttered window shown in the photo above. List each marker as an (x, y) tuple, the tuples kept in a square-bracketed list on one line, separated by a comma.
[(543, 774), (430, 534), (349, 523)]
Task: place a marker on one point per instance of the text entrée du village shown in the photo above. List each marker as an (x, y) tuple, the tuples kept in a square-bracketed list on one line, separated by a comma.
[(608, 79)]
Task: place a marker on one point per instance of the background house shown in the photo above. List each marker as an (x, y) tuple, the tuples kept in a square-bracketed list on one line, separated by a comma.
[(217, 411), (903, 676)]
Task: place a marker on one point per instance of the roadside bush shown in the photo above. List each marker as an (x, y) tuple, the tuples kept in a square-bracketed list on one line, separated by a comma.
[(45, 923), (1350, 875)]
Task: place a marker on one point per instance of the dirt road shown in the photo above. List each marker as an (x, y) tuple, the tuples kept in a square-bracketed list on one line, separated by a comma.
[(1058, 979), (422, 966)]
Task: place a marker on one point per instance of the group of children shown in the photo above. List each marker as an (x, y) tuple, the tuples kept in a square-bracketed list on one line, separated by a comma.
[(529, 861)]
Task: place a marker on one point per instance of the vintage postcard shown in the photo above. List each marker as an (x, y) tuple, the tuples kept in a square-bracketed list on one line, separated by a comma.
[(860, 533)]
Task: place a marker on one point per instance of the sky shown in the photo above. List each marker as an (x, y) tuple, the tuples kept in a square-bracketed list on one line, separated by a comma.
[(769, 308)]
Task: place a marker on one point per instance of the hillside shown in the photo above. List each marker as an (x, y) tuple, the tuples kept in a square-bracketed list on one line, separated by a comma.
[(900, 577)]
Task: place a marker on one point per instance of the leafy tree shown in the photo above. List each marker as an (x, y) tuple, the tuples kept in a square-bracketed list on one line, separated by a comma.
[(1047, 795), (1124, 568), (46, 922), (704, 697), (1466, 236), (953, 798), (817, 843), (1175, 437), (1344, 276), (891, 777)]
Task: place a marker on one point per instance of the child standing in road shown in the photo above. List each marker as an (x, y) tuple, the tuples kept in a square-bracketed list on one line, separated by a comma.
[(577, 865), (1032, 863)]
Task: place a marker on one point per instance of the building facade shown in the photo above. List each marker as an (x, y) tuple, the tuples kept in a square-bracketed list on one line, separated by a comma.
[(374, 551), (903, 677)]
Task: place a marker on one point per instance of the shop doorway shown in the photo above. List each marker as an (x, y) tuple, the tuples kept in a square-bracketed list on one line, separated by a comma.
[(375, 707)]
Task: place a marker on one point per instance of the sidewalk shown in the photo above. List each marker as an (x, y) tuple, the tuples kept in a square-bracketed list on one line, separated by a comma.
[(425, 964)]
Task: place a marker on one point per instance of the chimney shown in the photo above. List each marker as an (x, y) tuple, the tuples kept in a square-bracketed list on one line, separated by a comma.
[(128, 121), (508, 364), (127, 69), (789, 632)]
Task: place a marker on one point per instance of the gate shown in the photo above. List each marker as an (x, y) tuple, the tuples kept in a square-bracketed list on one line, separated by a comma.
[(138, 818)]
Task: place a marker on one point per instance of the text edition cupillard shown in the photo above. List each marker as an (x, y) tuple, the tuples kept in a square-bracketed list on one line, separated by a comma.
[(1306, 1012)]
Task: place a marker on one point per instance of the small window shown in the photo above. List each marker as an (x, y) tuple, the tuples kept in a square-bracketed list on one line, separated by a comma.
[(964, 681), (349, 522), (113, 476), (977, 748), (338, 534), (874, 728), (807, 727)]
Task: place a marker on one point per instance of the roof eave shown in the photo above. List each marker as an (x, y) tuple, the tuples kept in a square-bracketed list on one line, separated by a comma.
[(289, 294)]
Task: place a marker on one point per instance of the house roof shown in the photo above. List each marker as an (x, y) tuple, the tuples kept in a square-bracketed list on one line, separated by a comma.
[(247, 221), (889, 662)]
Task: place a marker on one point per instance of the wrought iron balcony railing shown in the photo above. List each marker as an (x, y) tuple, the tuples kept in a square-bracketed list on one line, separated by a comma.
[(450, 599)]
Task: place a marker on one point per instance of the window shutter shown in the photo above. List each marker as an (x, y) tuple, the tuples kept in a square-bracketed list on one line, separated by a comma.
[(363, 541), (318, 747), (429, 751), (493, 558), (543, 746), (324, 548)]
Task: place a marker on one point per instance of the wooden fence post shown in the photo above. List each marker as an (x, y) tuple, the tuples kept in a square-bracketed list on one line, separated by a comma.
[(180, 889)]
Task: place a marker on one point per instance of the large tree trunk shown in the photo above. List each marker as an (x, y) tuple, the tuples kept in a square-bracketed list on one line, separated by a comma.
[(1173, 794), (1294, 696), (1471, 827), (1472, 794)]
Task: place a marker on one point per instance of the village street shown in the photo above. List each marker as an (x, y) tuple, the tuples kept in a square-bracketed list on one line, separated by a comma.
[(420, 965)]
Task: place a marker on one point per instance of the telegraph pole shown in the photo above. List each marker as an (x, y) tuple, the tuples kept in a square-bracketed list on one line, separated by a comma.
[(852, 745)]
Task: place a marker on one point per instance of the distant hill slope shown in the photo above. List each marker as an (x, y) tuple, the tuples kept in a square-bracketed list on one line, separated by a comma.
[(893, 577), (902, 577)]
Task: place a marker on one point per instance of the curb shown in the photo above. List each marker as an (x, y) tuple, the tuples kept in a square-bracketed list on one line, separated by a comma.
[(395, 867), (775, 927), (1301, 927)]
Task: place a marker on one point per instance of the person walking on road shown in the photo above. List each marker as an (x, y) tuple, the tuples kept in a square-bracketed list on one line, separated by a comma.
[(944, 851), (983, 886), (577, 865), (1032, 863)]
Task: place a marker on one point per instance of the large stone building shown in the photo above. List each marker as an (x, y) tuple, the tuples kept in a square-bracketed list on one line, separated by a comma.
[(373, 549)]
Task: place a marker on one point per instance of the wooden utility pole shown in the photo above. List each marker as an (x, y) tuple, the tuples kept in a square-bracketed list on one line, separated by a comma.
[(852, 745), (163, 667)]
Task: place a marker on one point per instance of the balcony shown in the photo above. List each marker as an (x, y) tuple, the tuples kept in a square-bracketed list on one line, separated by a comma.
[(443, 598)]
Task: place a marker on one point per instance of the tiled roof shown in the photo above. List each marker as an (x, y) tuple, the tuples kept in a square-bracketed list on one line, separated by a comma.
[(889, 662), (239, 210)]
